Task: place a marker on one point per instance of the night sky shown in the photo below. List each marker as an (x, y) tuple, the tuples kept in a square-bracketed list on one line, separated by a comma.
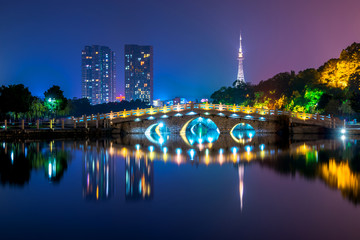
[(195, 42)]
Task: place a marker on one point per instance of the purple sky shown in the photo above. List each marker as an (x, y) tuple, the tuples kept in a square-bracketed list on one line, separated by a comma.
[(195, 42)]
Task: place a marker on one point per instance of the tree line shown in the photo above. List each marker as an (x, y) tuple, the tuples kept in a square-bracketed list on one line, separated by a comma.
[(334, 88), (17, 102)]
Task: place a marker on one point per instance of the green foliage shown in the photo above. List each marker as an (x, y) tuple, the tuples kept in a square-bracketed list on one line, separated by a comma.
[(15, 99), (334, 88)]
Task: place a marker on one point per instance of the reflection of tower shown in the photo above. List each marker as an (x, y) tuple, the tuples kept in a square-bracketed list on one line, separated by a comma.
[(139, 178), (241, 184), (98, 175), (240, 76)]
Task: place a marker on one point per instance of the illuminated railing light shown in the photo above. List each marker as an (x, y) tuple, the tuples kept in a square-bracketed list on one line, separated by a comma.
[(178, 151), (137, 120), (178, 115), (151, 148), (207, 113), (164, 116), (137, 146), (151, 118)]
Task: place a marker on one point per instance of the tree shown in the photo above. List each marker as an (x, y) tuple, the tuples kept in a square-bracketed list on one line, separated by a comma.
[(55, 100), (15, 98)]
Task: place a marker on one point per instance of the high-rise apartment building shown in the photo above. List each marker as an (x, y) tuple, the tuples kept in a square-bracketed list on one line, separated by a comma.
[(98, 74), (139, 73)]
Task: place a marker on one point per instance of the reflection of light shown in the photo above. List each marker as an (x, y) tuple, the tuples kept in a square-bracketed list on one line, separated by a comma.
[(221, 114), (178, 151), (137, 146), (164, 116), (137, 120), (50, 170), (161, 141), (12, 157), (200, 140), (165, 149), (161, 124), (210, 139), (234, 150), (178, 115), (151, 148), (221, 157), (192, 154), (191, 141), (250, 135), (261, 118), (262, 147), (343, 137), (343, 131), (151, 118), (207, 113)]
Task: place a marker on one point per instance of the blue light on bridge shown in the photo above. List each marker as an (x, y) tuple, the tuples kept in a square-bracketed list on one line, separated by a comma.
[(248, 148), (151, 148), (221, 114), (234, 115), (178, 115), (191, 113), (137, 146), (221, 151), (234, 150), (137, 120), (192, 154), (165, 149), (164, 116), (261, 118), (248, 117), (262, 147), (207, 113), (178, 151), (151, 118)]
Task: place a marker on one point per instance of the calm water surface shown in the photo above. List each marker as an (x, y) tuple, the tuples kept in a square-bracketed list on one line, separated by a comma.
[(140, 188)]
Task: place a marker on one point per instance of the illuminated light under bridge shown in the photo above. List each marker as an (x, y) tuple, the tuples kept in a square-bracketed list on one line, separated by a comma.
[(200, 130), (157, 133)]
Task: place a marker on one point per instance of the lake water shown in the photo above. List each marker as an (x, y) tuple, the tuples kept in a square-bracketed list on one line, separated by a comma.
[(141, 188)]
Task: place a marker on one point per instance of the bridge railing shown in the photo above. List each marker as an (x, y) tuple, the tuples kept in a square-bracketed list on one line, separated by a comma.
[(204, 106)]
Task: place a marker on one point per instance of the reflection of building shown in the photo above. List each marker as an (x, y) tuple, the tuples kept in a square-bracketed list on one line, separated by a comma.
[(98, 175), (139, 73), (139, 178), (98, 74)]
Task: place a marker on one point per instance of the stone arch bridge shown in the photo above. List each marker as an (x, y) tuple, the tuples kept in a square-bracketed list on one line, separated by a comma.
[(226, 117)]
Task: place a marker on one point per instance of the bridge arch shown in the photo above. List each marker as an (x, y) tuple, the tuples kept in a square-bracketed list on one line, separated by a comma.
[(157, 133), (199, 130), (242, 132)]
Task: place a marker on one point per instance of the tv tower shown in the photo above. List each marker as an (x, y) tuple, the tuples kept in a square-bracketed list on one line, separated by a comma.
[(240, 76)]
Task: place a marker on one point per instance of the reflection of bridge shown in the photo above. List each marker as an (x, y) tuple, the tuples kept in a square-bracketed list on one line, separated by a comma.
[(224, 116)]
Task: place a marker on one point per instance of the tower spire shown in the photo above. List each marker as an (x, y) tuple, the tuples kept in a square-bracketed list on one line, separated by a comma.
[(240, 76)]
